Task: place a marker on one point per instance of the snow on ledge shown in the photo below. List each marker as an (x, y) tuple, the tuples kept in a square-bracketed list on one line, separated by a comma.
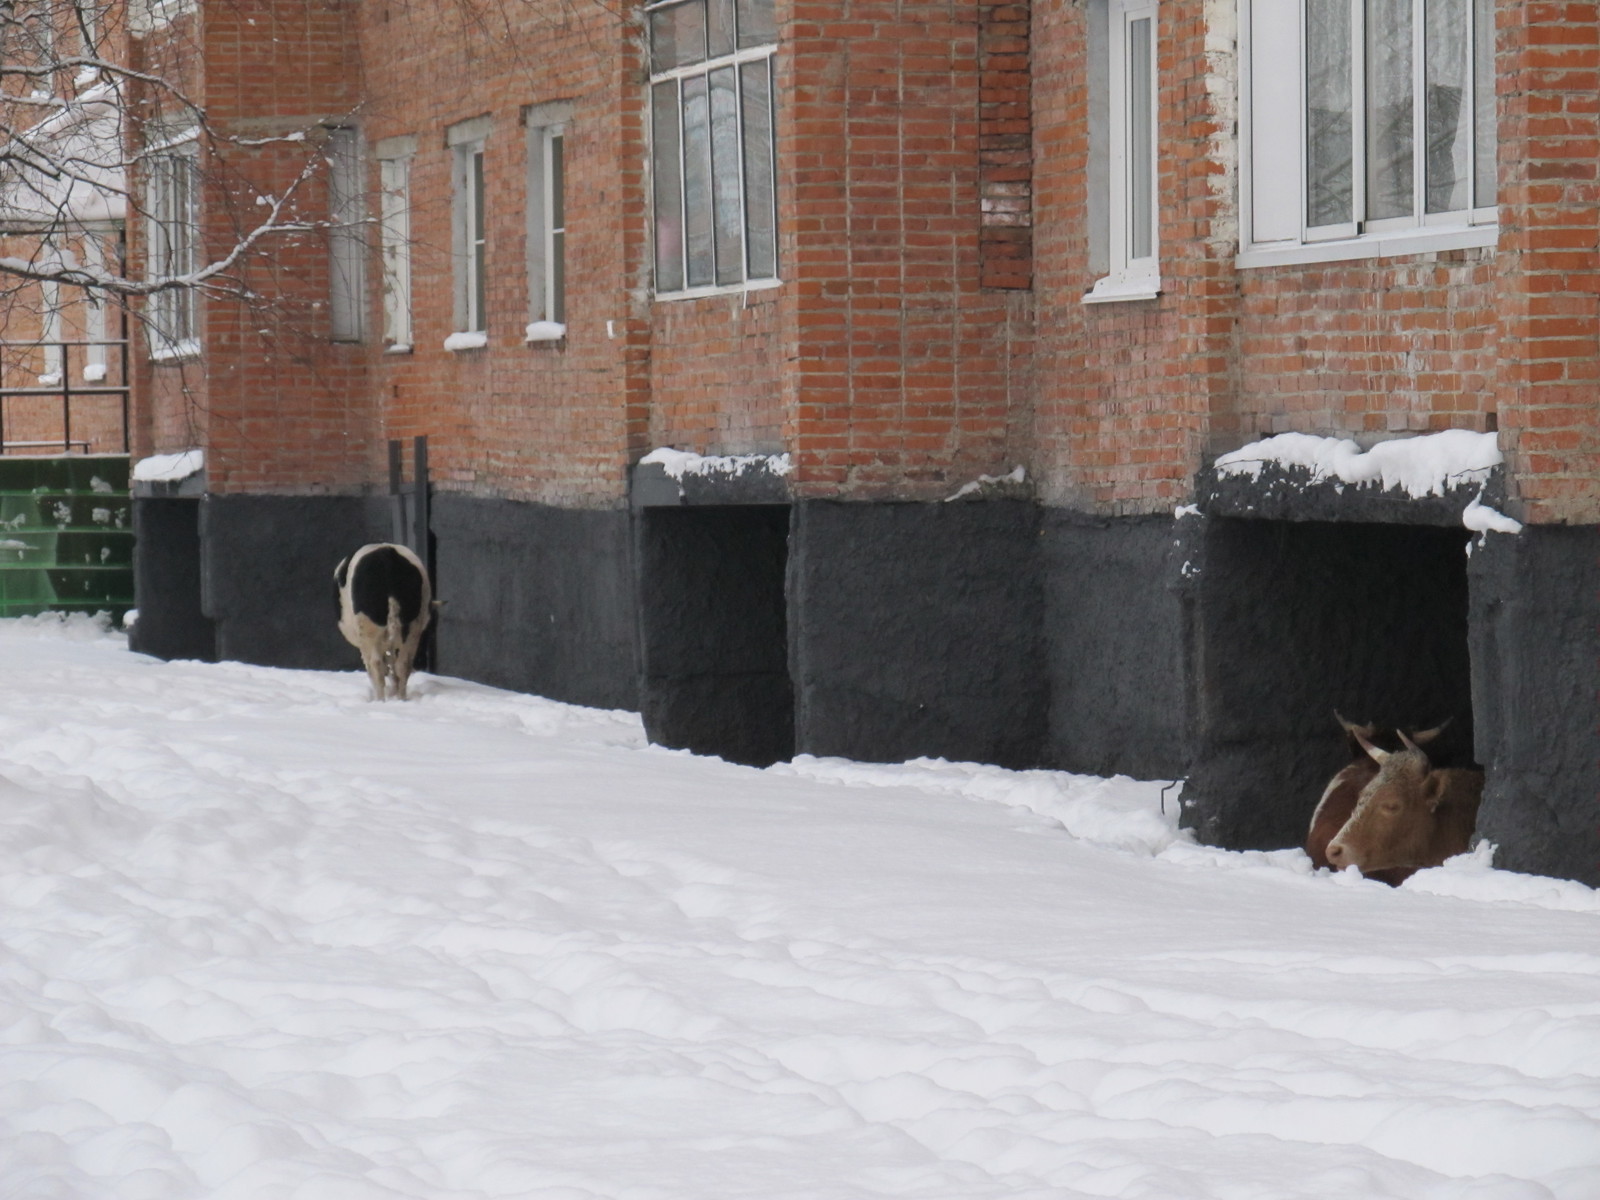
[(94, 372), (169, 468), (466, 341), (544, 331), (1423, 466), (1016, 475), (1480, 518), (678, 463)]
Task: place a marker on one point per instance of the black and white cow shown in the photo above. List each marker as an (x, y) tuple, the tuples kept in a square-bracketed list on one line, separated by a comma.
[(385, 602)]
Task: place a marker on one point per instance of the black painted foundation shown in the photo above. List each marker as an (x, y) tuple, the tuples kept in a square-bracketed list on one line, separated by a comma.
[(1114, 651), (1536, 691), (915, 630), (166, 581), (536, 599), (713, 630), (1291, 621), (266, 567)]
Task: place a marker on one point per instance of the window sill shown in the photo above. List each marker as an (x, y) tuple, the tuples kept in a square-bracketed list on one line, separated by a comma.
[(1392, 244), (545, 331), (1112, 290), (726, 289), (175, 352), (397, 348), (457, 342)]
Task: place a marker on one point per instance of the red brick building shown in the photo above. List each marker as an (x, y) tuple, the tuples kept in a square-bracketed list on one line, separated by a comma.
[(866, 259)]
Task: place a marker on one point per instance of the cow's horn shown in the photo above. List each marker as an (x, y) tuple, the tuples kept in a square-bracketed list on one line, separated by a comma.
[(1410, 745), (1378, 756)]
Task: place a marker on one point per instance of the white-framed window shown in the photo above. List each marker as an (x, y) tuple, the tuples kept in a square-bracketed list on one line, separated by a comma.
[(1131, 212), (94, 320), (713, 167), (394, 191), (1382, 138), (172, 198), (347, 244), (51, 333), (547, 220), (469, 232)]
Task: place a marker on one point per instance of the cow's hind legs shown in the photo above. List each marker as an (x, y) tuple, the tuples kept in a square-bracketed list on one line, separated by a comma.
[(373, 659)]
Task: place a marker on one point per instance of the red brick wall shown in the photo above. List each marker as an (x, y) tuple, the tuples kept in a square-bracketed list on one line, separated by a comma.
[(908, 377), (1131, 395), (1549, 301)]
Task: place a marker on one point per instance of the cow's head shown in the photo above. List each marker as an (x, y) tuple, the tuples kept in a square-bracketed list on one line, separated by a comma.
[(1393, 822)]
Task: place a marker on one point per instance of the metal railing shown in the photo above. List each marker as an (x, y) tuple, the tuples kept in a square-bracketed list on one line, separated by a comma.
[(67, 391)]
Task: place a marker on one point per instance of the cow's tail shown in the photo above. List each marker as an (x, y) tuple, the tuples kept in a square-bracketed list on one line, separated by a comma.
[(394, 633)]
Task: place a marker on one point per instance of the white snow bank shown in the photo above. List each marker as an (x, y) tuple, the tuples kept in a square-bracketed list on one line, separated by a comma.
[(466, 341), (1120, 813), (1422, 466), (266, 938), (1016, 475), (544, 331), (678, 463), (169, 468)]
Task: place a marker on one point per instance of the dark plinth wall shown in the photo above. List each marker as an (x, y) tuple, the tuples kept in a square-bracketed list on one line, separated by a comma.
[(266, 565), (714, 674), (915, 630), (537, 598), (1536, 693), (166, 581), (1113, 624), (1293, 620)]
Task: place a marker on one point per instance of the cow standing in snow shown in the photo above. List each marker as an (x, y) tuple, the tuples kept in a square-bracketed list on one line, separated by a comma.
[(385, 603)]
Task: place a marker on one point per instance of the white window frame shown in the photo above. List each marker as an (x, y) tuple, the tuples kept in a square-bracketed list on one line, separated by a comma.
[(547, 127), (737, 59), (394, 157), (172, 317), (467, 142), (50, 333), (94, 323), (347, 243), (1275, 234), (1131, 275)]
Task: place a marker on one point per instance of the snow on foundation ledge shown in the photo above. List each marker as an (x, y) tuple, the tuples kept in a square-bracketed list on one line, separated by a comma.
[(678, 463), (1427, 465), (169, 468)]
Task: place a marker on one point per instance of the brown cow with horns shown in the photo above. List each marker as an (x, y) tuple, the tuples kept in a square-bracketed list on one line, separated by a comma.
[(1390, 813)]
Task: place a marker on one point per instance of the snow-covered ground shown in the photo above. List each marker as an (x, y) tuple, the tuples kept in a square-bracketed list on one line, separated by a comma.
[(265, 939)]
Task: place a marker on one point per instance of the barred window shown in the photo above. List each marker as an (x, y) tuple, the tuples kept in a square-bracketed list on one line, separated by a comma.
[(172, 207), (712, 122)]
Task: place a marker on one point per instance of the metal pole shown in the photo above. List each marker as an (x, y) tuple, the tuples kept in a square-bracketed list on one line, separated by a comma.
[(397, 503), (66, 401), (419, 499)]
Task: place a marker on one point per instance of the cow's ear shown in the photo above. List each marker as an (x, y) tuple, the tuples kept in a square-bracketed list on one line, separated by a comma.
[(1433, 789)]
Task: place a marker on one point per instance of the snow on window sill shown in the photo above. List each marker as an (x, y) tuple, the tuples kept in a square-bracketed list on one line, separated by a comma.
[(466, 341), (1390, 244), (52, 379), (1113, 289), (94, 373), (397, 348), (175, 351), (545, 331)]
